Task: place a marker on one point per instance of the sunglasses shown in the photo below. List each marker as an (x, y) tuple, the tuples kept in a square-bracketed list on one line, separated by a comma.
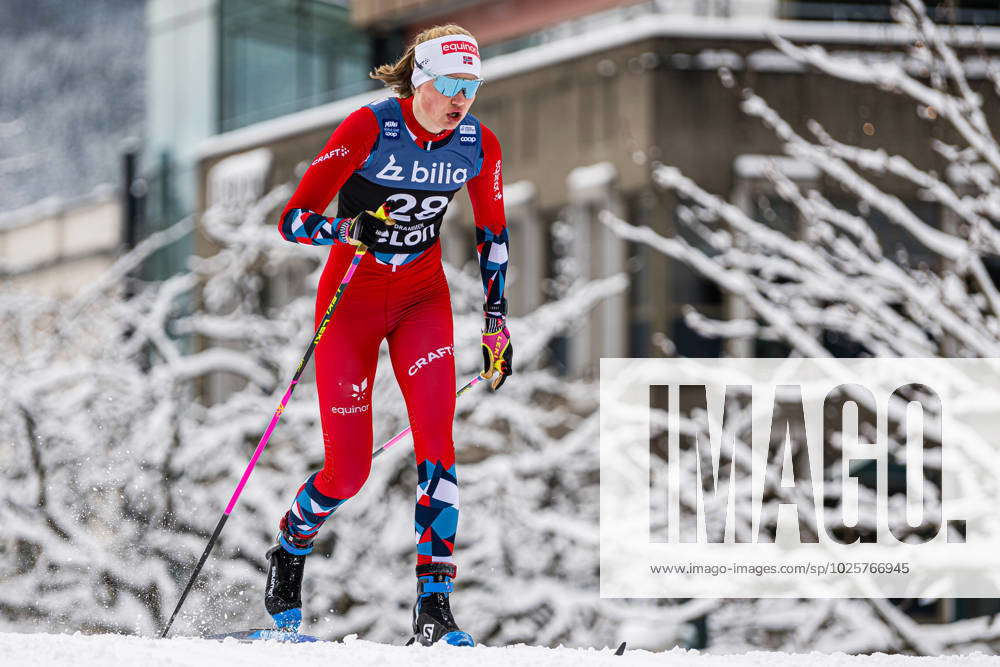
[(450, 86)]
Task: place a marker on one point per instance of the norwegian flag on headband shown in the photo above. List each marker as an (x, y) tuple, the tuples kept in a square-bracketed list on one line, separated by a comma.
[(467, 60)]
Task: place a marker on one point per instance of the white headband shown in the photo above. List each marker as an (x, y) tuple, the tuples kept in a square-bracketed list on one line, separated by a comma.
[(451, 54)]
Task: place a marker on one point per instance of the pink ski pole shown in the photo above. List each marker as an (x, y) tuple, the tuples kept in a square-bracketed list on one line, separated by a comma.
[(402, 434), (383, 213)]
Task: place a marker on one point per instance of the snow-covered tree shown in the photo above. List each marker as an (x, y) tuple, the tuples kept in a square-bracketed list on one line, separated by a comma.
[(865, 277)]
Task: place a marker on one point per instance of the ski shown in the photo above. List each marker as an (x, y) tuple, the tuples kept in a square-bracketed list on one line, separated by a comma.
[(266, 634)]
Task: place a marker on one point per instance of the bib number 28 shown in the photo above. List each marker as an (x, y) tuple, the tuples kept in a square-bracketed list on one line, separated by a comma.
[(405, 204)]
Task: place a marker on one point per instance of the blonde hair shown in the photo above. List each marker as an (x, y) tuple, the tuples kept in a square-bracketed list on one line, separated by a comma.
[(397, 75)]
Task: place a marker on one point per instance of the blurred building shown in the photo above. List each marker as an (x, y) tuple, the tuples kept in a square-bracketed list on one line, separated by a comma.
[(54, 247), (65, 217), (584, 94)]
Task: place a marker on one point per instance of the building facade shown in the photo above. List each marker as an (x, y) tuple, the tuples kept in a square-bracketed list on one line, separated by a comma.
[(585, 98), (53, 248)]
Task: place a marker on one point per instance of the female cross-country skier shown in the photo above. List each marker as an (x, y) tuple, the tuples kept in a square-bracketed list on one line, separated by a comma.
[(414, 152)]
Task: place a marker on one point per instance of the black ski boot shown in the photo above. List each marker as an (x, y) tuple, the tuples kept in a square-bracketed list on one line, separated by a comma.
[(432, 619), (283, 591)]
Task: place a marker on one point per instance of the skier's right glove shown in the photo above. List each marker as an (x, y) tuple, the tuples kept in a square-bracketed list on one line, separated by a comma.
[(366, 228), (498, 353)]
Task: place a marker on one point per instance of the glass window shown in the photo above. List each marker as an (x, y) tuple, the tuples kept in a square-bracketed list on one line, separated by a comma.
[(281, 56)]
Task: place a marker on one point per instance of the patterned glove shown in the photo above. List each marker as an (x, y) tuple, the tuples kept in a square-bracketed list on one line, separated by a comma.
[(498, 353), (366, 228)]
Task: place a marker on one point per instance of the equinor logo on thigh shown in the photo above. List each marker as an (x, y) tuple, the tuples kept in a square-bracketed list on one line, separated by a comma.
[(359, 394), (337, 410)]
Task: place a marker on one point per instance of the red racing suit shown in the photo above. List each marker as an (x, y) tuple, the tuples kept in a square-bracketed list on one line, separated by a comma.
[(399, 294)]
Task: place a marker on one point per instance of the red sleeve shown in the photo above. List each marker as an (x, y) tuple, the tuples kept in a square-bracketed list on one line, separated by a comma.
[(486, 193), (486, 189), (345, 151)]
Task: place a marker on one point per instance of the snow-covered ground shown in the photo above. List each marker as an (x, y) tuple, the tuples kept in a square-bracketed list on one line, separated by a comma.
[(103, 650)]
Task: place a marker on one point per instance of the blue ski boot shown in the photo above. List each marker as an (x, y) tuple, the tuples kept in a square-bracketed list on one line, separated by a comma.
[(432, 619), (283, 591)]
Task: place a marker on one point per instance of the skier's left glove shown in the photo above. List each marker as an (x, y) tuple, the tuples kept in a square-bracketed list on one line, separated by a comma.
[(498, 353)]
